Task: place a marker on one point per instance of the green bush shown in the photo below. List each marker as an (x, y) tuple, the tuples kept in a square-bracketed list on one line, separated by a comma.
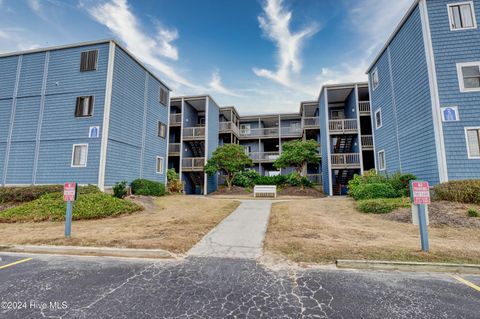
[(382, 205), (467, 191), (401, 183), (120, 189), (26, 194), (250, 178), (372, 191), (174, 184), (146, 187), (246, 178), (473, 213), (51, 207)]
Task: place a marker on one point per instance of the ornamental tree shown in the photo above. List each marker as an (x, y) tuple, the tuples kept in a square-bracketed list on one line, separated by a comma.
[(229, 159), (298, 154)]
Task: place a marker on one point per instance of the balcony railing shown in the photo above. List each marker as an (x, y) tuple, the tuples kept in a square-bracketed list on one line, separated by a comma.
[(194, 133), (367, 142), (264, 156), (364, 107), (295, 131), (314, 178), (174, 149), (347, 160), (343, 126), (311, 122), (193, 163), (259, 132), (176, 119), (225, 127)]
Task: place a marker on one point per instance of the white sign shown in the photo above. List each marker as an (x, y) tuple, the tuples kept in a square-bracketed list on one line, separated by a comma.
[(94, 132), (450, 114)]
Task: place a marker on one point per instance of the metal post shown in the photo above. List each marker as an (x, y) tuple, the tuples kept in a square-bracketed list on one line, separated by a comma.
[(422, 221), (68, 220)]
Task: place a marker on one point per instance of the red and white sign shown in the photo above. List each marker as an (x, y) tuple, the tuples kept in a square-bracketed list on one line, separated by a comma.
[(421, 193), (69, 192)]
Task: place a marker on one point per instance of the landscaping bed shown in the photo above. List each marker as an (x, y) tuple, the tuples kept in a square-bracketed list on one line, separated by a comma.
[(298, 191)]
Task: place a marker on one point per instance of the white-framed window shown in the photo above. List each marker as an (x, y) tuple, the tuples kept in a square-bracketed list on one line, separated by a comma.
[(162, 130), (469, 76), (79, 155), (472, 136), (462, 16), (248, 149), (160, 164), (381, 160), (84, 106), (378, 119), (375, 79), (245, 129)]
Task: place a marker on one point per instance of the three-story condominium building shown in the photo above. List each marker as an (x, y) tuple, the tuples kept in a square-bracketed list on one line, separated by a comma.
[(425, 93), (346, 135), (88, 112)]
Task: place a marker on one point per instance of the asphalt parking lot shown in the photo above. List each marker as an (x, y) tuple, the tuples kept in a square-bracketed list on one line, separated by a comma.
[(41, 286)]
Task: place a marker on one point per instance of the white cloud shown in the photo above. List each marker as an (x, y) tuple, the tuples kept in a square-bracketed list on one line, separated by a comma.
[(117, 16), (13, 39), (35, 5), (217, 86), (275, 23)]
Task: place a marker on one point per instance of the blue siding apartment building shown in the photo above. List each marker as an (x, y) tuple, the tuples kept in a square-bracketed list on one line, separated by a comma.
[(425, 93), (88, 112)]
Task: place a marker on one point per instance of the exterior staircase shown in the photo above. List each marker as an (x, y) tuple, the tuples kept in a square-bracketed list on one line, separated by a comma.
[(197, 148)]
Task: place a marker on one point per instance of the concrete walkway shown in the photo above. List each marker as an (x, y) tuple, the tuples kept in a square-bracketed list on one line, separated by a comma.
[(240, 235)]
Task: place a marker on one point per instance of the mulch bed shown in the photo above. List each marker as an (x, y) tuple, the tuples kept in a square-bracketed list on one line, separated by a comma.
[(441, 213), (4, 206), (235, 190), (297, 191)]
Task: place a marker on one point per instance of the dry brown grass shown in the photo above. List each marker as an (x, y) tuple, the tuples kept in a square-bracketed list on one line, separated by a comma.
[(324, 230), (173, 223)]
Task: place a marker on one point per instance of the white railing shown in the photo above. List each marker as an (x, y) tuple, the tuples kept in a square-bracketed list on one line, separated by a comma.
[(345, 160), (314, 178), (343, 126), (364, 107), (193, 163), (173, 148), (291, 131), (259, 132), (264, 156), (367, 141), (228, 126), (193, 132), (176, 119), (311, 122)]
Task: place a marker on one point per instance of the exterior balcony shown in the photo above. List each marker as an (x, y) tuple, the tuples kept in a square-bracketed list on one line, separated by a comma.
[(367, 142), (264, 157), (265, 132), (193, 133), (228, 127), (176, 119), (345, 161), (193, 164), (311, 123), (345, 126), (364, 108), (174, 149), (291, 131)]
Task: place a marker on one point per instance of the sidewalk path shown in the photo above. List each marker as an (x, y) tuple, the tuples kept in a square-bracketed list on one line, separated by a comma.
[(240, 235)]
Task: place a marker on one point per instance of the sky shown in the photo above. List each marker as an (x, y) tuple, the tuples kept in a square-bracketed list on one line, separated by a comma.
[(261, 56)]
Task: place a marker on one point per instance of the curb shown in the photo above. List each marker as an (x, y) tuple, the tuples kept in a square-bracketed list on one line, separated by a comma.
[(89, 251), (408, 266)]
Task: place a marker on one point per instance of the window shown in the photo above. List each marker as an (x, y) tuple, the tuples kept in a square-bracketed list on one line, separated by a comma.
[(378, 119), (381, 160), (337, 114), (375, 80), (248, 150), (473, 142), (79, 155), (88, 60), (162, 130), (160, 161), (84, 106), (163, 96), (462, 16), (469, 76), (245, 129)]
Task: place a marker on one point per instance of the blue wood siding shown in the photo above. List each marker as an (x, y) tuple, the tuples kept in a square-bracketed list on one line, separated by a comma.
[(450, 48), (8, 66), (324, 142), (212, 127)]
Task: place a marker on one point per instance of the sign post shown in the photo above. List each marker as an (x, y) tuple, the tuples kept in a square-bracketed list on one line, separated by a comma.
[(420, 195), (69, 196)]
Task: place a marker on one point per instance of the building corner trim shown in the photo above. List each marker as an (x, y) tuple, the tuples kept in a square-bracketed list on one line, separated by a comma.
[(434, 95), (207, 119), (329, 157), (106, 117)]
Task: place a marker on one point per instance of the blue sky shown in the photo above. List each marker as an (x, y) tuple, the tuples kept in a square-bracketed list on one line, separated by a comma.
[(262, 56)]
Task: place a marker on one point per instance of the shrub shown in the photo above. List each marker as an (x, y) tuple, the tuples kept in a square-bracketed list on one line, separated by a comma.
[(51, 207), (401, 183), (246, 178), (467, 191), (120, 189), (250, 178), (174, 184), (382, 205), (372, 191), (473, 213), (146, 187), (26, 194)]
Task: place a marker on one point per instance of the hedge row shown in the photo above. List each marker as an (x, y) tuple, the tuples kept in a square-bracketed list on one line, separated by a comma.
[(467, 191)]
